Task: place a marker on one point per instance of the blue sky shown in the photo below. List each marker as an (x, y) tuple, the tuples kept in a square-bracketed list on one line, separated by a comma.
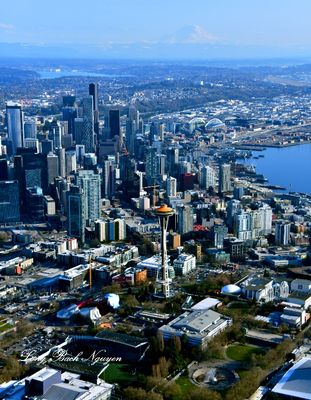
[(280, 23)]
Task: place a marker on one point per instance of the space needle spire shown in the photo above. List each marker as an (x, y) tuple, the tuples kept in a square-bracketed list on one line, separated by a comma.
[(163, 283)]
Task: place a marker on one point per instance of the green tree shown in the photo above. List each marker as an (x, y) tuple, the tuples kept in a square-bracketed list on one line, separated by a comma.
[(198, 393), (172, 391), (131, 393)]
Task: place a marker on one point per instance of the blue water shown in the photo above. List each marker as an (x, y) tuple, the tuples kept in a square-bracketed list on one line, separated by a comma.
[(289, 167)]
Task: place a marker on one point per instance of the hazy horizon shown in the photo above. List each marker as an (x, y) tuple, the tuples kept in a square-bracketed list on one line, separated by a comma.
[(176, 29)]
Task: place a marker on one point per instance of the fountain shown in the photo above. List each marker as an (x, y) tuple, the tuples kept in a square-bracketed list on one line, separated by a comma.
[(210, 376)]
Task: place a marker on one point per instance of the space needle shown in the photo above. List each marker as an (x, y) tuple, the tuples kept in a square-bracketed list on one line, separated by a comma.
[(163, 282)]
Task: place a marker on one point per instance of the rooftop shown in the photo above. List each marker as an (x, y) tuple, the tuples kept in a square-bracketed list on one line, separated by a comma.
[(196, 322), (297, 381)]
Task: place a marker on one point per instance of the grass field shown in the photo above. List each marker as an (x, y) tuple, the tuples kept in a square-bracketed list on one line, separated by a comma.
[(5, 327), (119, 373), (241, 372), (185, 384), (241, 352)]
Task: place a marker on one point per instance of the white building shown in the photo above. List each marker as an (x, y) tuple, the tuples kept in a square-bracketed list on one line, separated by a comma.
[(198, 326), (263, 289), (294, 315), (153, 266), (300, 298), (144, 203), (207, 177), (184, 263), (301, 285), (171, 187)]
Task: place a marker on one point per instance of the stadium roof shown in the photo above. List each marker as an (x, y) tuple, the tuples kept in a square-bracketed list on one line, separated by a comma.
[(297, 381)]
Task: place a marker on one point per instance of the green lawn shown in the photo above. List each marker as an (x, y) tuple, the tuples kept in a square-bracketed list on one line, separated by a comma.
[(5, 327), (120, 373), (185, 384), (241, 372), (241, 352)]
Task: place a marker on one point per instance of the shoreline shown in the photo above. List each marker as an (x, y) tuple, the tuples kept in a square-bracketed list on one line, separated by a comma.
[(262, 147)]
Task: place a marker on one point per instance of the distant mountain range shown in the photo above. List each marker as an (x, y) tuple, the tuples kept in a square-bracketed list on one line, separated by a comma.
[(190, 42)]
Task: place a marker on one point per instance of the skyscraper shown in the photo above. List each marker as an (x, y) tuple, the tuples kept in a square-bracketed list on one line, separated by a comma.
[(30, 129), (90, 183), (185, 219), (78, 131), (46, 146), (233, 207), (219, 232), (207, 177), (130, 135), (282, 233), (56, 134), (15, 124), (152, 165), (109, 178), (172, 161), (114, 123), (76, 212), (225, 178), (52, 167), (132, 127), (171, 187), (93, 91), (70, 162), (9, 201), (69, 115), (61, 162), (88, 124)]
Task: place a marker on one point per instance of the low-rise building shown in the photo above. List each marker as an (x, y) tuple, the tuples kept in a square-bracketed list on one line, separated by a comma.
[(301, 285), (199, 326), (184, 264)]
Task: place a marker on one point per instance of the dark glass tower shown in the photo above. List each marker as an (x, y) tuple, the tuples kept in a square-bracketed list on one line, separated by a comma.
[(114, 123), (93, 91)]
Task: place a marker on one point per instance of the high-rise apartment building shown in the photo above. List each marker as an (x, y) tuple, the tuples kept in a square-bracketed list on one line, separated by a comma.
[(184, 219), (76, 212), (282, 233), (225, 178), (207, 177), (91, 185), (171, 187)]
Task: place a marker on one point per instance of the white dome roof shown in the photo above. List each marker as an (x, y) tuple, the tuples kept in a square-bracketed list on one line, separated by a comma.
[(231, 289), (214, 122)]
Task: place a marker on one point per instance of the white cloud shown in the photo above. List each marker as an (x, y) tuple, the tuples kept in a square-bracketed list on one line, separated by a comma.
[(6, 27)]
